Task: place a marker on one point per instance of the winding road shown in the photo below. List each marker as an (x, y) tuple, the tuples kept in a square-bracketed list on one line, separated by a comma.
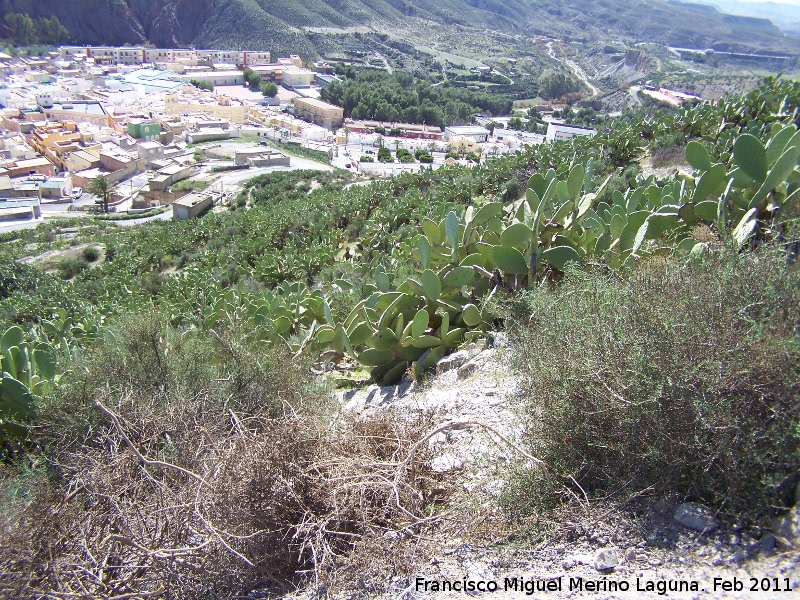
[(576, 69)]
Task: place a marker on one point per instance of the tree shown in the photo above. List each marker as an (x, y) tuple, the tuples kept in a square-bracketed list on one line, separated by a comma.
[(269, 89), (251, 78), (516, 124), (202, 84), (494, 125), (553, 85), (534, 114), (384, 155), (100, 186)]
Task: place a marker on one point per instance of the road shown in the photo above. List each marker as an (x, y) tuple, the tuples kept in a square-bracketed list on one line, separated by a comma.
[(576, 69)]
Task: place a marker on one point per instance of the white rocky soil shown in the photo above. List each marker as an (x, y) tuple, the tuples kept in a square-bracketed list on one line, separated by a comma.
[(658, 548)]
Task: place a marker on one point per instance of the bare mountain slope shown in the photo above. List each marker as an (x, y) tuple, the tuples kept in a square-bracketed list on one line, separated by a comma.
[(278, 24)]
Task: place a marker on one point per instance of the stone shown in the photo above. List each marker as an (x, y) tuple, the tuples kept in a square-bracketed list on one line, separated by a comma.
[(695, 516), (630, 555), (495, 488), (606, 559), (787, 528), (738, 557), (501, 340), (446, 462), (452, 361), (767, 543), (474, 365)]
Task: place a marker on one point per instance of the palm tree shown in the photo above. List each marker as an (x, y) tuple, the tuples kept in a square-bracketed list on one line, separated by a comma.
[(100, 186)]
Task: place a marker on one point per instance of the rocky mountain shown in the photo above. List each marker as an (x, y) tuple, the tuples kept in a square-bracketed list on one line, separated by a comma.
[(279, 24), (785, 16)]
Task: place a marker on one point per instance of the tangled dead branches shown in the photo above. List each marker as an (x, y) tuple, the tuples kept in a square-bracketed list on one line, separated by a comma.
[(215, 474), (269, 501)]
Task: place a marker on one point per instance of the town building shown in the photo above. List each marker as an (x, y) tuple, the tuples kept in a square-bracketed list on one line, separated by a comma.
[(214, 77), (136, 55), (479, 134), (294, 77), (79, 111), (407, 130), (142, 129), (55, 188), (222, 107), (192, 205), (319, 112), (562, 131)]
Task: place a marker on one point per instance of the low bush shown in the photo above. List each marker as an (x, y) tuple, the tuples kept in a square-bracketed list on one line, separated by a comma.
[(91, 254), (225, 168), (683, 378), (196, 462), (385, 155), (69, 267), (668, 156)]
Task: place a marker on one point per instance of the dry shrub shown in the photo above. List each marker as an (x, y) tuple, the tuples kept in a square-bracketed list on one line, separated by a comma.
[(668, 156), (181, 465), (681, 377)]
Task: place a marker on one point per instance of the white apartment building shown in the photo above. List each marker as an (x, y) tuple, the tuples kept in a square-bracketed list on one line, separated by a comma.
[(563, 131), (137, 55)]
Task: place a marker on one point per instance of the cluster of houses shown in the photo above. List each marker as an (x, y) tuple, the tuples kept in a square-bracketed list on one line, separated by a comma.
[(83, 111), (131, 112)]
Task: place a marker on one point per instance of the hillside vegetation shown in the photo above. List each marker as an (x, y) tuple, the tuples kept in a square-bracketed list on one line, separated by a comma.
[(278, 26), (158, 403)]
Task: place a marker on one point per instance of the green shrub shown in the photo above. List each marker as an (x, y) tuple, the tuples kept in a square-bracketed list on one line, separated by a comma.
[(69, 267), (384, 155), (366, 159), (423, 156), (91, 254), (683, 378)]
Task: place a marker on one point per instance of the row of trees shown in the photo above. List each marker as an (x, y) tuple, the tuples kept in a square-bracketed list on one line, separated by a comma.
[(202, 84), (372, 94)]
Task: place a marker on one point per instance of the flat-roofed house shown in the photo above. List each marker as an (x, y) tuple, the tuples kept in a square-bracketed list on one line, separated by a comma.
[(563, 131), (319, 112), (192, 205)]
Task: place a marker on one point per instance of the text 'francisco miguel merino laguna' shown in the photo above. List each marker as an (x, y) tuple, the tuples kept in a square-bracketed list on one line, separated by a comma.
[(558, 584)]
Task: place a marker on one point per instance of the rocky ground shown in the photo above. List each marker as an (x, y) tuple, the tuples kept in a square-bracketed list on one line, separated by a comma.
[(639, 548)]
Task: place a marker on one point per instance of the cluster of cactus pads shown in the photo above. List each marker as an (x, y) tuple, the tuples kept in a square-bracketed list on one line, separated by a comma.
[(560, 220)]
